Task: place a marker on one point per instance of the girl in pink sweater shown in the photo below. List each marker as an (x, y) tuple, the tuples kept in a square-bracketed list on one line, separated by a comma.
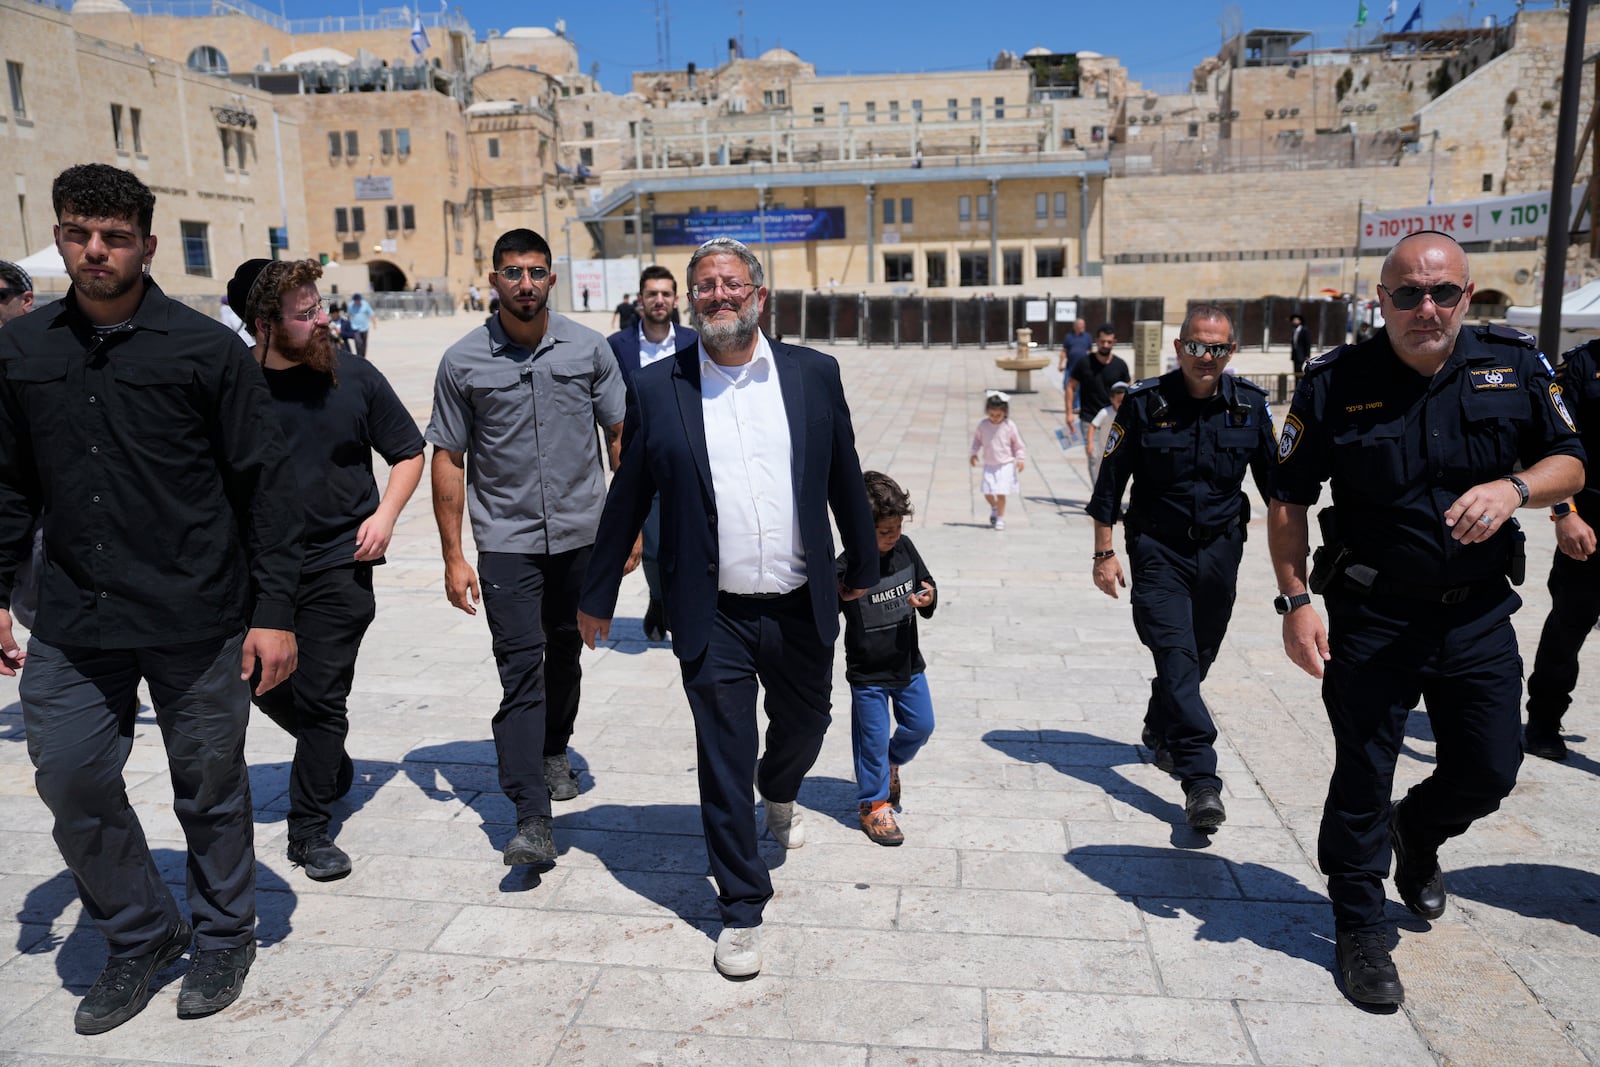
[(999, 445)]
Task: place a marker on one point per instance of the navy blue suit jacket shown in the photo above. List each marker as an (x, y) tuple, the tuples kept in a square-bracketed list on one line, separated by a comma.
[(664, 450), (625, 344)]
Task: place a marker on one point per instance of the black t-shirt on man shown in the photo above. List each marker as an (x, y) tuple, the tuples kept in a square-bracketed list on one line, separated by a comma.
[(332, 432), (1095, 380)]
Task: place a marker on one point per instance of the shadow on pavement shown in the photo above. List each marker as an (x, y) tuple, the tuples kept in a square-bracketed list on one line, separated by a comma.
[(1535, 890), (81, 951), (627, 637), (655, 851), (1093, 759)]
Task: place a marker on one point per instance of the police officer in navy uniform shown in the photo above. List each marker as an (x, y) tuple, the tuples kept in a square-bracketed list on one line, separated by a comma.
[(1574, 573), (1186, 439), (1419, 430)]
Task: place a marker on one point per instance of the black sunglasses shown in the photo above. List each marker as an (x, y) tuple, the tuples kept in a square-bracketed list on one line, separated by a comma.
[(1216, 351), (1407, 297)]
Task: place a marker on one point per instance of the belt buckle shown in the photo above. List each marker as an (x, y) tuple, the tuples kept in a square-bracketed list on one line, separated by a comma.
[(1456, 595), (1195, 534)]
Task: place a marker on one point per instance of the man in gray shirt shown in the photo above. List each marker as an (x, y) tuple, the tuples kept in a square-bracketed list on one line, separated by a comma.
[(515, 405)]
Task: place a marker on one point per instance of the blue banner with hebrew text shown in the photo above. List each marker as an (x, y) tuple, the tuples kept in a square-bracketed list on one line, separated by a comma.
[(751, 227)]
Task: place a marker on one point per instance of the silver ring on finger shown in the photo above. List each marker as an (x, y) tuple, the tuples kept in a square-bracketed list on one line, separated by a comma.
[(1486, 520)]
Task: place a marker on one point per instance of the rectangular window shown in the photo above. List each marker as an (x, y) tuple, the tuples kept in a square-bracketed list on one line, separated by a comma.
[(1011, 266), (999, 107), (227, 147), (350, 250), (916, 110), (335, 145), (983, 209), (954, 106), (358, 220), (977, 108), (1049, 263), (402, 141), (588, 131), (1194, 129), (766, 98), (897, 267), (352, 146), (1097, 134), (888, 211), (386, 142), (1488, 183), (19, 102), (277, 240), (1061, 205), (936, 271), (974, 269), (1041, 205), (134, 117), (391, 217), (488, 204), (239, 148), (408, 217), (819, 115), (894, 111), (783, 98), (627, 226), (905, 209), (586, 157), (196, 249), (964, 209), (341, 220), (116, 127), (872, 111), (494, 148), (844, 113), (1069, 135)]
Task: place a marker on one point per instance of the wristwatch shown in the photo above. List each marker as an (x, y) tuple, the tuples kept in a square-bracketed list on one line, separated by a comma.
[(1285, 604), (1522, 489), (1560, 510)]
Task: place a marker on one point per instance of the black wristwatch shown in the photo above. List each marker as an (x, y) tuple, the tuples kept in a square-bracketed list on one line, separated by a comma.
[(1285, 604), (1522, 489), (1560, 510)]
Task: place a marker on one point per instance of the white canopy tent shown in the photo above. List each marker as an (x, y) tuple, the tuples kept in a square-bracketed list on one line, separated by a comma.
[(1580, 310), (45, 263)]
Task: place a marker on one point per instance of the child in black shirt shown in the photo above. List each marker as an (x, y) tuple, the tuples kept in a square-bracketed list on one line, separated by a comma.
[(884, 666)]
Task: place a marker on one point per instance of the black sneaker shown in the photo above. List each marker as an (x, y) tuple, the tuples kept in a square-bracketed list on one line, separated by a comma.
[(320, 858), (1366, 969), (531, 844), (346, 779), (1158, 750), (559, 777), (1203, 809), (1417, 877), (215, 980), (123, 988), (1545, 742)]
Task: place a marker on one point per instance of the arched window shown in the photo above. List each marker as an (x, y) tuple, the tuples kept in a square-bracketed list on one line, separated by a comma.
[(208, 60)]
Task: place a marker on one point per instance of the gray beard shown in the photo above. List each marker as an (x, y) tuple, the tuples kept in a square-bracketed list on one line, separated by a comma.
[(723, 337)]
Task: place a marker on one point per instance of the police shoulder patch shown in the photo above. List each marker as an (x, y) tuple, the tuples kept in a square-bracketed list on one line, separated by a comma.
[(1561, 406), (1507, 335), (1289, 439), (1144, 385), (1317, 364), (1113, 439), (1248, 384)]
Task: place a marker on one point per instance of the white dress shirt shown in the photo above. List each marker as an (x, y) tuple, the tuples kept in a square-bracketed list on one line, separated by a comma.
[(649, 351), (747, 442)]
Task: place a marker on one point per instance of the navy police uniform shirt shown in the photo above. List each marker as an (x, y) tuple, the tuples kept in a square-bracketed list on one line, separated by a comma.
[(1400, 448), (1187, 457), (1578, 379)]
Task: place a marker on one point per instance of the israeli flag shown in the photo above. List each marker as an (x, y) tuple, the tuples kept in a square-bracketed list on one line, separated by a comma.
[(419, 37)]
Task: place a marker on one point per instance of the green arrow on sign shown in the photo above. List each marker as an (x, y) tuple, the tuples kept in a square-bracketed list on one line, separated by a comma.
[(1495, 213)]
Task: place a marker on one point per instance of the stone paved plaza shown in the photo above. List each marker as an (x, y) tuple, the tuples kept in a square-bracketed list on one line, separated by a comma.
[(1048, 906)]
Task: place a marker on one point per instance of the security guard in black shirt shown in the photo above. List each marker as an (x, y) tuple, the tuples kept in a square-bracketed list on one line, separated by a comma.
[(1187, 439), (1419, 430), (1574, 573)]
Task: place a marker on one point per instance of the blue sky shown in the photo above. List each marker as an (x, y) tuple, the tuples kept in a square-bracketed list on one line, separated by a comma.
[(1158, 40)]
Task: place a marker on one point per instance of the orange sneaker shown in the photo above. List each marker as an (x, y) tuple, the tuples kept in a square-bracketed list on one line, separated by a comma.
[(894, 786), (877, 821)]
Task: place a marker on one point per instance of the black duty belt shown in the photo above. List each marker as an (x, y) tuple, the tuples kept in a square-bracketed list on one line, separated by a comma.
[(1197, 532), (1431, 594)]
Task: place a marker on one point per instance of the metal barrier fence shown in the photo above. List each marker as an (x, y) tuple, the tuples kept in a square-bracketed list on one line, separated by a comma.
[(412, 305), (1264, 321), (933, 321)]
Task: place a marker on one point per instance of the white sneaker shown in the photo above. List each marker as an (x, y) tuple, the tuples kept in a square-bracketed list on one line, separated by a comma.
[(739, 952), (999, 524), (784, 820)]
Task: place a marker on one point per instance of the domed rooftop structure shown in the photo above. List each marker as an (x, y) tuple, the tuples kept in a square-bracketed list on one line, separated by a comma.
[(779, 55), (100, 7)]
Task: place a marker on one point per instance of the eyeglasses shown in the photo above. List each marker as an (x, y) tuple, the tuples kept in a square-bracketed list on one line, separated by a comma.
[(514, 274), (1217, 351), (735, 290), (310, 314), (7, 294), (1408, 297)]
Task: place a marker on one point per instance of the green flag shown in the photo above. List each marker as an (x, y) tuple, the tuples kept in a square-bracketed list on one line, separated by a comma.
[(1361, 14)]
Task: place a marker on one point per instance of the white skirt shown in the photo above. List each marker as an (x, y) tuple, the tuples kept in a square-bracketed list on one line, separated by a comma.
[(1000, 480)]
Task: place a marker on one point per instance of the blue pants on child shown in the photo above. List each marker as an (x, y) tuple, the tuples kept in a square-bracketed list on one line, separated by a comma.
[(870, 742)]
